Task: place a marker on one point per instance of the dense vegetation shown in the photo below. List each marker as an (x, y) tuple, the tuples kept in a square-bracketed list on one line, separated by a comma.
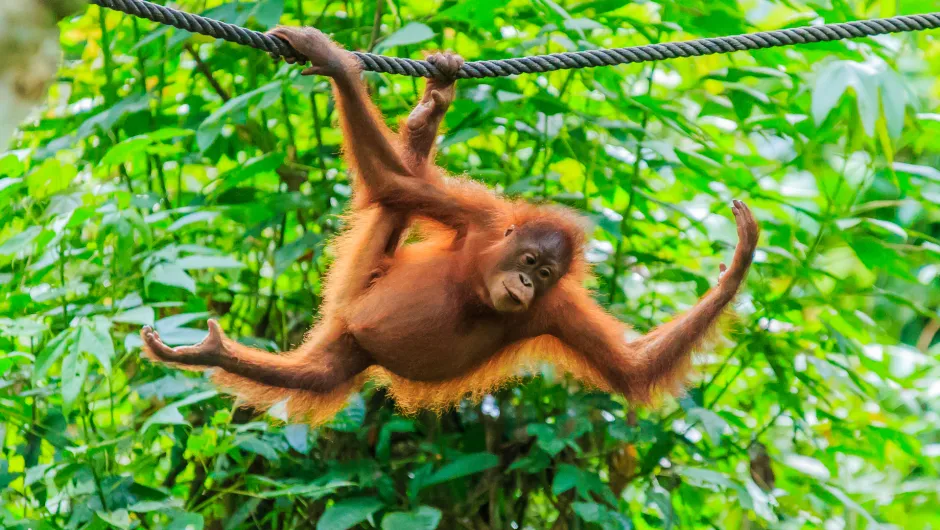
[(171, 178)]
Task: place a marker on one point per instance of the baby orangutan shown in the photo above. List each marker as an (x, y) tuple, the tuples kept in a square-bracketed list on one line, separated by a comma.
[(494, 286)]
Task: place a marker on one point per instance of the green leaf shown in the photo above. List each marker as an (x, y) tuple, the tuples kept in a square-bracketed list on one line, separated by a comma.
[(208, 262), (211, 127), (5, 364), (185, 521), (244, 511), (266, 164), (706, 478), (411, 33), (118, 518), (581, 24), (10, 166), (308, 491), (106, 120), (51, 353), (851, 504), (269, 12), (589, 511), (808, 466), (171, 274), (889, 227), (8, 185), (259, 447), (424, 518), (177, 321), (287, 255), (547, 438), (126, 150), (533, 462), (19, 242), (155, 505), (585, 482), (831, 84), (714, 424), (169, 133), (893, 101), (96, 340), (566, 478), (74, 371), (462, 466), (297, 436), (24, 328), (866, 97), (198, 397), (348, 513), (193, 218), (659, 496), (395, 425), (925, 172), (50, 178), (480, 13), (143, 315), (350, 418), (600, 515), (169, 415)]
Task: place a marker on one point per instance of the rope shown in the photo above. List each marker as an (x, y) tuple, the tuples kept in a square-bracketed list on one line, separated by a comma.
[(538, 63)]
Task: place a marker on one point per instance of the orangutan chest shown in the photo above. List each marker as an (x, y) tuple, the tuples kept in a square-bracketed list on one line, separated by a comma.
[(424, 334)]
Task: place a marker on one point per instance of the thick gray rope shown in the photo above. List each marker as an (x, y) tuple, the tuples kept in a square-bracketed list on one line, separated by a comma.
[(538, 63)]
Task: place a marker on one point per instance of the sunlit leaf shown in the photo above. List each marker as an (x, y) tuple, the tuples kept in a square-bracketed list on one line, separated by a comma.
[(192, 218), (118, 518), (96, 340), (126, 150), (808, 466), (480, 13), (308, 491), (351, 417), (411, 33), (211, 127), (424, 518), (74, 371), (169, 415), (297, 435), (208, 262), (186, 521), (173, 275), (348, 513), (19, 242), (143, 315)]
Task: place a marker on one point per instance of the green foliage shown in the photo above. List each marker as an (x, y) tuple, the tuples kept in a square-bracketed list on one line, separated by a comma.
[(172, 178)]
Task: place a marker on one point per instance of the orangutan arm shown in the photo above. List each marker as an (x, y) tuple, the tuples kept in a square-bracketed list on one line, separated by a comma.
[(660, 359)]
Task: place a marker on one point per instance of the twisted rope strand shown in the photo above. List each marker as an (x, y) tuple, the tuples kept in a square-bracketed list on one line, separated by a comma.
[(538, 63)]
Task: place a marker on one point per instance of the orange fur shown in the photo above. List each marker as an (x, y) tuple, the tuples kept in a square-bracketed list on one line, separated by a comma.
[(506, 367), (492, 289)]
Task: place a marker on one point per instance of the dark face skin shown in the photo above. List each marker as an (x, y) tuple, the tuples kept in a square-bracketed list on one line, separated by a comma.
[(533, 260)]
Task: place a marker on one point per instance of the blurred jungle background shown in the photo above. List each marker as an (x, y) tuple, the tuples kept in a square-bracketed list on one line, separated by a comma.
[(171, 177)]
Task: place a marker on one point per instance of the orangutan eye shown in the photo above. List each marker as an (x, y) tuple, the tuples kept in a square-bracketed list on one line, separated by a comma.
[(509, 230), (529, 259), (545, 273)]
